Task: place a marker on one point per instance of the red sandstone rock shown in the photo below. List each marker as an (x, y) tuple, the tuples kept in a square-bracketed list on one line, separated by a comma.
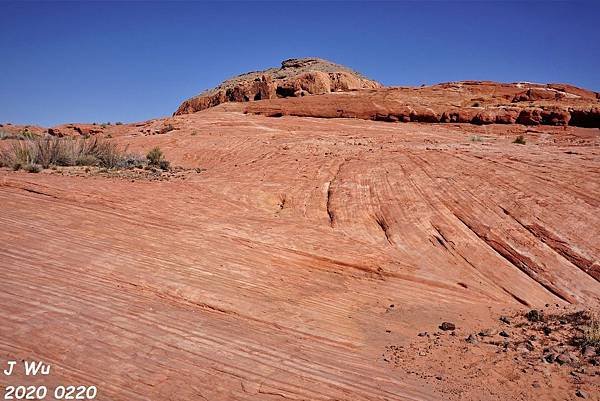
[(296, 77), (292, 245), (270, 267), (439, 103)]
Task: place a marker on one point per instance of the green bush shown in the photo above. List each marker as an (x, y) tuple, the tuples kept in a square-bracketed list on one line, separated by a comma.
[(154, 156)]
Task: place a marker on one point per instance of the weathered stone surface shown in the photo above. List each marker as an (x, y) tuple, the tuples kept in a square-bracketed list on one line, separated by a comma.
[(295, 78), (439, 104), (276, 266)]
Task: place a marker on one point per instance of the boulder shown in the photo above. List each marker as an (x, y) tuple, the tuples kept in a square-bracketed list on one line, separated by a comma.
[(555, 116), (534, 94), (447, 326), (530, 116)]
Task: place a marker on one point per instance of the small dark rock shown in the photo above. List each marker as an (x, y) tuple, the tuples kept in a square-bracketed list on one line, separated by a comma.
[(566, 358), (549, 358), (547, 330), (581, 394), (488, 333), (446, 326), (588, 351), (504, 334), (505, 319), (422, 334), (534, 315), (472, 339)]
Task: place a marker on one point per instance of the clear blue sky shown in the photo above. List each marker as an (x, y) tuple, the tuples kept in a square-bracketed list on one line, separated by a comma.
[(118, 61)]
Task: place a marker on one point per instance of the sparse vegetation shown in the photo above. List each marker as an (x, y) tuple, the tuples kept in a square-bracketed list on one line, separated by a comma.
[(591, 332), (47, 152), (476, 138), (156, 158), (118, 123), (22, 135), (33, 168), (520, 140)]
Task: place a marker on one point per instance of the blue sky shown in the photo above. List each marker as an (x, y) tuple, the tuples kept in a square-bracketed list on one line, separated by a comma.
[(121, 61)]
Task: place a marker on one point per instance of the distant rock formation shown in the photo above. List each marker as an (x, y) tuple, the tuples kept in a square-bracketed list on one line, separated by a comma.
[(475, 102), (296, 77)]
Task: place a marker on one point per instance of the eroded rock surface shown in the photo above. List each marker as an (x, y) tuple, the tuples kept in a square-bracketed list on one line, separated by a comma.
[(460, 102), (295, 78), (304, 260)]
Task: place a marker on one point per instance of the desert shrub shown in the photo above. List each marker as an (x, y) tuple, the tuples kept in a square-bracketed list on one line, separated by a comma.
[(164, 164), (18, 154), (105, 152), (21, 135), (591, 333), (32, 168), (132, 161), (66, 152), (52, 151), (26, 134), (476, 138), (118, 123), (87, 160), (520, 140), (156, 158)]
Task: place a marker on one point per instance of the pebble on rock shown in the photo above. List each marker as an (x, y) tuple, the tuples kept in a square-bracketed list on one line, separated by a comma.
[(446, 326)]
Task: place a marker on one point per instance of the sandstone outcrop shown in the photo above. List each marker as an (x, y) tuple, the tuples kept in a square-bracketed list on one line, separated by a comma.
[(475, 102), (472, 102), (296, 77), (312, 259)]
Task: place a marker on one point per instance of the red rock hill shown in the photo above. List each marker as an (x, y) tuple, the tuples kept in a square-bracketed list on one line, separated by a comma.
[(295, 78)]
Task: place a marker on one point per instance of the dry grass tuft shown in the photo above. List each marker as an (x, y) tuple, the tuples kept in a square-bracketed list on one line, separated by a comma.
[(591, 332), (48, 152)]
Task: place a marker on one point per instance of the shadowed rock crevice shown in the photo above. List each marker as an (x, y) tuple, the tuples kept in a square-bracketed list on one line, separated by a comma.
[(521, 262), (559, 246)]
